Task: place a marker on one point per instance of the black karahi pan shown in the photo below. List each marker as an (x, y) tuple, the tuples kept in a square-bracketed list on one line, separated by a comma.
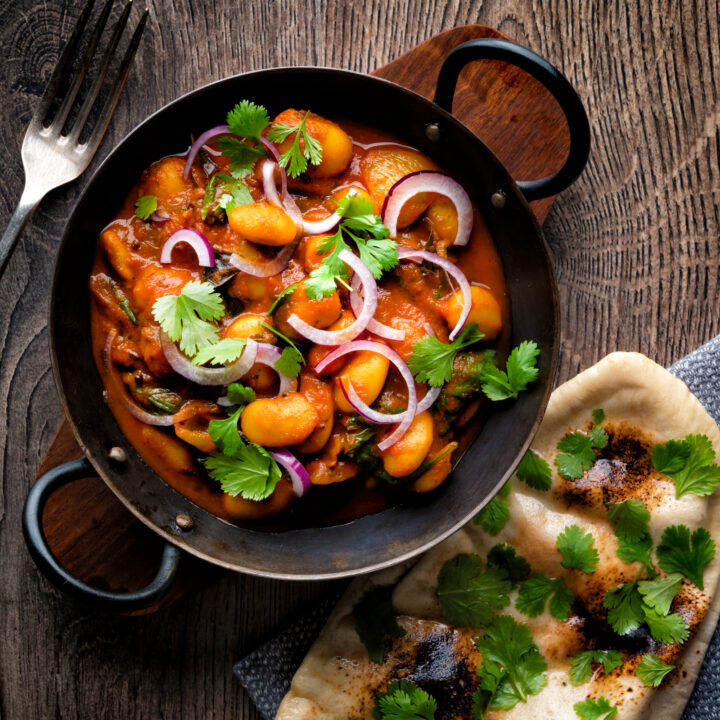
[(497, 445)]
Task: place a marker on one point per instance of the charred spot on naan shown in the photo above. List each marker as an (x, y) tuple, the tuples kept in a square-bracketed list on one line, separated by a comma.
[(622, 470), (440, 659)]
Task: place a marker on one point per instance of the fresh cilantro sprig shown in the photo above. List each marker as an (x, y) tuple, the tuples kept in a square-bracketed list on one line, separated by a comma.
[(659, 593), (295, 160), (242, 156), (687, 554), (581, 664), (520, 371), (577, 548), (374, 619), (495, 515), (224, 351), (432, 360), (652, 670), (145, 206), (376, 249), (535, 471), (239, 394), (689, 463), (632, 530), (535, 592), (577, 450), (595, 709), (513, 567), (291, 359), (248, 120), (280, 298), (468, 594), (404, 700), (186, 317), (512, 667)]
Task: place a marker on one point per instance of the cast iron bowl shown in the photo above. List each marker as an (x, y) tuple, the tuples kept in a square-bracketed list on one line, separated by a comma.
[(374, 541)]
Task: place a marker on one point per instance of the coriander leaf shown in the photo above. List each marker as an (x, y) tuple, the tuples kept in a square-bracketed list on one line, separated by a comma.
[(631, 551), (379, 254), (520, 371), (242, 156), (248, 120), (576, 455), (698, 474), (490, 674), (535, 471), (375, 618), (651, 670), (224, 351), (687, 554), (534, 593), (468, 596), (321, 282), (296, 158), (250, 473), (625, 607), (671, 628), (359, 214), (598, 415), (595, 709), (280, 297), (289, 362), (509, 564), (235, 193), (670, 457), (509, 645), (145, 206), (431, 360), (404, 701), (578, 549), (598, 437), (225, 434), (581, 665), (631, 519), (660, 593), (494, 516), (184, 317), (239, 394)]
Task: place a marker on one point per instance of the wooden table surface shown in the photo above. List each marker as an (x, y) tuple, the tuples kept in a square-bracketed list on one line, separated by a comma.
[(635, 242)]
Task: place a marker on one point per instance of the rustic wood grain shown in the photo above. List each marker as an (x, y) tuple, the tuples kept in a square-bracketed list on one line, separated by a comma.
[(635, 244)]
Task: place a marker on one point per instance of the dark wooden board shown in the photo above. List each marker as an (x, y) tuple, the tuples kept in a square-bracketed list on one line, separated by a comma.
[(91, 533), (635, 244)]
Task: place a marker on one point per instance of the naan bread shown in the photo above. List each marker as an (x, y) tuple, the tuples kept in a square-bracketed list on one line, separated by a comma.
[(644, 405)]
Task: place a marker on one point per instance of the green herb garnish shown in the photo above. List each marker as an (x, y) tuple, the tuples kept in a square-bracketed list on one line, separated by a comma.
[(374, 619), (577, 450), (534, 594), (296, 158), (595, 709), (689, 463), (581, 665), (652, 670), (404, 701), (494, 516), (578, 549), (681, 552), (535, 471), (145, 206)]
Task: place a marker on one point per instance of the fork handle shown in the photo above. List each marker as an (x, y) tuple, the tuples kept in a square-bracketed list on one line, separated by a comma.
[(27, 203)]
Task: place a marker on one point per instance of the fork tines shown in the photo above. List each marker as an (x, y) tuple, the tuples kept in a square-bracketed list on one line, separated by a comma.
[(57, 123)]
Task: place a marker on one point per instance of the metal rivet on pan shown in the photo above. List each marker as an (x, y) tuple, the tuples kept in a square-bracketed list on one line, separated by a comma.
[(184, 522), (498, 199), (117, 454), (432, 132)]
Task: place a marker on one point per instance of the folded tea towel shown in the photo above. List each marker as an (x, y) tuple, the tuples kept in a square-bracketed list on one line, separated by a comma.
[(266, 673)]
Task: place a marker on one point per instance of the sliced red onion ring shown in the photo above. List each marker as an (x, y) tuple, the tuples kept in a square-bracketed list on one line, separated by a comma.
[(435, 182), (428, 401), (269, 187), (374, 326), (159, 216), (202, 139), (338, 337), (268, 355), (208, 376), (405, 418), (224, 401), (287, 202), (196, 240), (406, 253), (317, 227), (298, 474), (267, 268)]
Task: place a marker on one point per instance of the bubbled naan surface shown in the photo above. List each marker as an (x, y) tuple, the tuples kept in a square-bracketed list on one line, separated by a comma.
[(644, 405)]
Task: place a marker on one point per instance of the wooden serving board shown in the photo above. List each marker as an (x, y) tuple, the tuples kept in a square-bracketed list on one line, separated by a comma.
[(89, 530)]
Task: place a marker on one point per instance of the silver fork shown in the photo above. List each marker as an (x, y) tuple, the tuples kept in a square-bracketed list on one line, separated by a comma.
[(51, 159)]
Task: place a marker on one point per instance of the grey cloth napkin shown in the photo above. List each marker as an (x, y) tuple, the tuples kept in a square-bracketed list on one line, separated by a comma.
[(266, 672)]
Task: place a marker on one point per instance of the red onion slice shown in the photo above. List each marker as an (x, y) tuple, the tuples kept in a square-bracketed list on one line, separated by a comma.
[(269, 187), (196, 240), (338, 337), (406, 253), (267, 268), (208, 376), (287, 203), (268, 355), (435, 182), (159, 216), (405, 419), (316, 227), (374, 326), (298, 474), (202, 139), (428, 401)]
